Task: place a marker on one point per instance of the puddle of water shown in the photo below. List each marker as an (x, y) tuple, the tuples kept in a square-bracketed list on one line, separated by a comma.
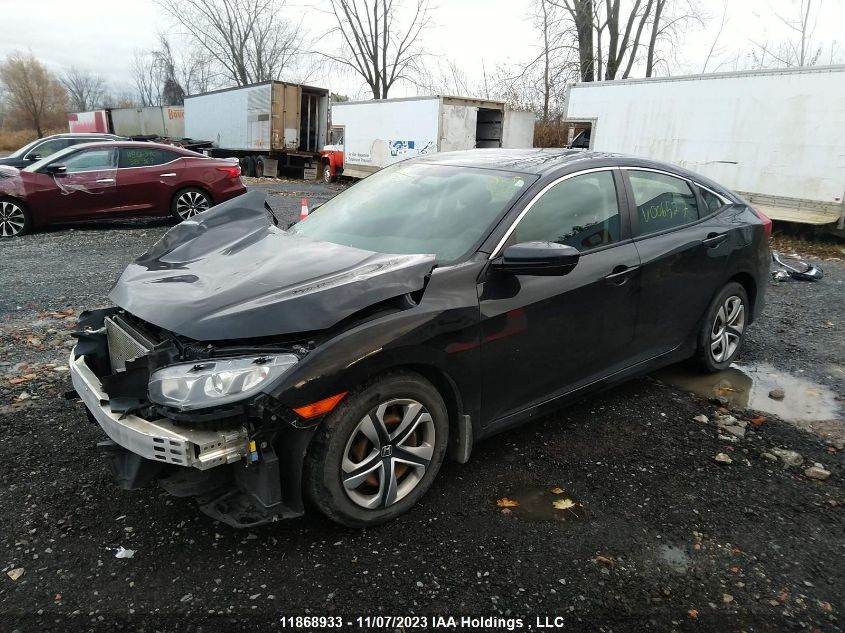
[(675, 558), (536, 504), (748, 386)]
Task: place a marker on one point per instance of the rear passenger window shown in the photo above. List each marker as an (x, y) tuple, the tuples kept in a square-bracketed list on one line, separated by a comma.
[(144, 157), (663, 202), (581, 212), (712, 202)]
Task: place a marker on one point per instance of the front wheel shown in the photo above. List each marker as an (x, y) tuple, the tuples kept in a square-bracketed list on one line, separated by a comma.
[(327, 174), (14, 218), (378, 452), (723, 330), (189, 202)]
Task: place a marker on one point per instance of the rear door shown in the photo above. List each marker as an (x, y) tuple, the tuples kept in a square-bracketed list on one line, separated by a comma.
[(147, 178), (684, 246)]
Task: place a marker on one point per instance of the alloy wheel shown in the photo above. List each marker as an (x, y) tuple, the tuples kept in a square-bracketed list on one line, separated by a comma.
[(387, 453), (726, 333), (190, 203), (12, 219)]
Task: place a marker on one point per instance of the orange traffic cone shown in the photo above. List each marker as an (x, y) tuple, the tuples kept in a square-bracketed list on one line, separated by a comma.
[(304, 212)]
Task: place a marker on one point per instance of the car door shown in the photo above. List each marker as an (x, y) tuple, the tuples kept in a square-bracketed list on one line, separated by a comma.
[(85, 186), (545, 336), (147, 178), (684, 253)]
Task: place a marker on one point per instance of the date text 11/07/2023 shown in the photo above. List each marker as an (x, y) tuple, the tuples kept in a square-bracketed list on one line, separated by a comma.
[(423, 622)]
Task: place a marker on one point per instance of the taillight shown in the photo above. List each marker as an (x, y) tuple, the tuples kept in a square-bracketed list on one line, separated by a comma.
[(767, 222), (231, 172)]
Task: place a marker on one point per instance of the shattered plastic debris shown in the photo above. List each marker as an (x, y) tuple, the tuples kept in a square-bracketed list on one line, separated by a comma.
[(124, 553), (801, 270), (15, 573)]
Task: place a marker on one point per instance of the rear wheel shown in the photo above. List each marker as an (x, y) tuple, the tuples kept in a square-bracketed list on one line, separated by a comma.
[(723, 330), (378, 452), (14, 218), (189, 202), (259, 167)]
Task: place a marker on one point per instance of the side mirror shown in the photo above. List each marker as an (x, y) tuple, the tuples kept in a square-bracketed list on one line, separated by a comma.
[(537, 258), (55, 170)]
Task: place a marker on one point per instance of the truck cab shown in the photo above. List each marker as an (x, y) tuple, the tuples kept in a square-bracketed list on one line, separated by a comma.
[(331, 156)]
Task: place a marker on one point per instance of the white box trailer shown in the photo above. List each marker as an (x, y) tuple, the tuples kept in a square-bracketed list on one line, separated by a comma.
[(265, 125), (370, 135), (777, 137)]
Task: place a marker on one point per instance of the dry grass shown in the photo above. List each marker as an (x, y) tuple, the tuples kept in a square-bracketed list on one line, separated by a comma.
[(11, 140)]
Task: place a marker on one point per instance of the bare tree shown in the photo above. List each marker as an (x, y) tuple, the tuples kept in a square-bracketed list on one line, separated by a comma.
[(713, 47), (33, 92), (798, 49), (249, 39), (581, 12), (146, 73), (85, 91), (379, 44), (172, 92)]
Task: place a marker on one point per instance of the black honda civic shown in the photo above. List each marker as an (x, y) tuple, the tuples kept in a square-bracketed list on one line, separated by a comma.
[(340, 361)]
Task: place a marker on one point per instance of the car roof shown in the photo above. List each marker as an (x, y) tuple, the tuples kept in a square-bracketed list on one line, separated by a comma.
[(82, 135), (141, 144), (542, 161)]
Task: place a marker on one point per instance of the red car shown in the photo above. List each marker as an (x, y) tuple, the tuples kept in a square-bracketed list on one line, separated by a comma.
[(113, 179)]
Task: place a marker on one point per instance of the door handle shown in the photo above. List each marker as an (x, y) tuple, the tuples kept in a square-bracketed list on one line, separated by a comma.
[(105, 180), (173, 173), (621, 274), (714, 239)]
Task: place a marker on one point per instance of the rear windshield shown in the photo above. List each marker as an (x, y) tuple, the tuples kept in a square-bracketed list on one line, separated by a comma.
[(417, 208)]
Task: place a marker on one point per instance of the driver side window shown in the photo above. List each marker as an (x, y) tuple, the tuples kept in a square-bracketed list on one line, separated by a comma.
[(91, 160), (581, 212), (48, 148)]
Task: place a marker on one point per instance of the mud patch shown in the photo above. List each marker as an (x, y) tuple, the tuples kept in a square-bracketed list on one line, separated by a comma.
[(748, 387)]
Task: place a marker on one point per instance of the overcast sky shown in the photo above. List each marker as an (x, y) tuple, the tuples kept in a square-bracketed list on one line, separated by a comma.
[(101, 35)]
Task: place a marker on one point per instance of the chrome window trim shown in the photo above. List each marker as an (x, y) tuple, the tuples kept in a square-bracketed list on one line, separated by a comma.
[(542, 192)]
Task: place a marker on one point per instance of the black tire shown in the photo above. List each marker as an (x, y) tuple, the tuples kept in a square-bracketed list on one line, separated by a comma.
[(722, 335), (327, 174), (259, 167), (247, 166), (339, 436), (15, 218), (196, 199)]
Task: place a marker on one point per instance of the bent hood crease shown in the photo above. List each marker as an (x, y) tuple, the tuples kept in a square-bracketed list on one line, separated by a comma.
[(231, 274)]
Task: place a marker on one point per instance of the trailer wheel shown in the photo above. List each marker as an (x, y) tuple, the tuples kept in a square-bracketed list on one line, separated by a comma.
[(259, 167), (247, 166), (327, 174)]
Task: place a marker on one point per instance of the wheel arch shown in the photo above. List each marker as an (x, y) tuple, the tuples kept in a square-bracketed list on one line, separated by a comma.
[(192, 185), (746, 280)]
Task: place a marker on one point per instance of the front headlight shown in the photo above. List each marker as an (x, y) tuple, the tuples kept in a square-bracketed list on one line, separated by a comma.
[(214, 382)]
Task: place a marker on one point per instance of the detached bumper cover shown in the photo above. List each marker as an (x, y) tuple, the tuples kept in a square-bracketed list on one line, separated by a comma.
[(157, 440)]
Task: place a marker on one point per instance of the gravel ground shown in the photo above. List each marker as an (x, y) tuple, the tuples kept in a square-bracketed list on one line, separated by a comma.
[(654, 534)]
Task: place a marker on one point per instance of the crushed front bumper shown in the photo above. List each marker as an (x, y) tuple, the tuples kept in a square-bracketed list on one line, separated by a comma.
[(157, 440)]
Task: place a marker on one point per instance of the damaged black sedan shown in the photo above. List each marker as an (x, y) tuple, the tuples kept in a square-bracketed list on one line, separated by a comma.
[(338, 362)]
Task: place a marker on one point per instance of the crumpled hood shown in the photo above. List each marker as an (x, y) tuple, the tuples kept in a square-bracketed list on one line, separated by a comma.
[(231, 274)]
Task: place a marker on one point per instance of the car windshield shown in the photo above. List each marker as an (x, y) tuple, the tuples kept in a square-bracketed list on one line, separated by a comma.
[(417, 208), (23, 150)]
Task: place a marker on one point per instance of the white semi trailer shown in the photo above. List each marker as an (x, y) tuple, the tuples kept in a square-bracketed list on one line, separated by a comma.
[(777, 137), (369, 135)]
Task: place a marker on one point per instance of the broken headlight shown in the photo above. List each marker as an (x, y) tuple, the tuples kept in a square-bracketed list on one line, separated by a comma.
[(214, 382)]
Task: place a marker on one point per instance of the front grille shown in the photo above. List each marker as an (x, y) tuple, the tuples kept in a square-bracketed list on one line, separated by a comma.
[(125, 343)]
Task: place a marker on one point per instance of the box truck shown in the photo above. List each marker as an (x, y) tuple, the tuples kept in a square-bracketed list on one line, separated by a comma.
[(777, 137), (369, 135), (165, 121), (270, 127)]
